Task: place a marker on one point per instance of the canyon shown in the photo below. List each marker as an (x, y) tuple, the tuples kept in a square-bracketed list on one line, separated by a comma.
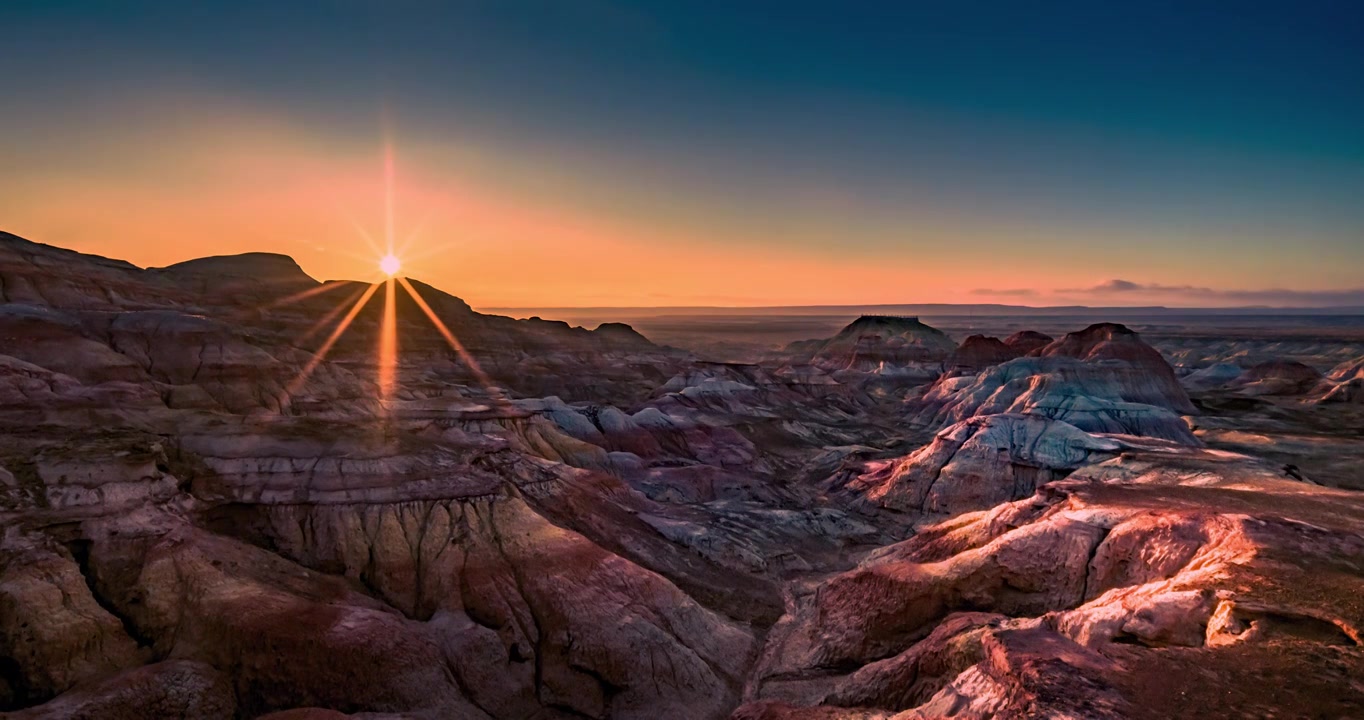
[(219, 499)]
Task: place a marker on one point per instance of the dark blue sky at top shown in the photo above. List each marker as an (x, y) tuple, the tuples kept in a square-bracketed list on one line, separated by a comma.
[(1134, 112)]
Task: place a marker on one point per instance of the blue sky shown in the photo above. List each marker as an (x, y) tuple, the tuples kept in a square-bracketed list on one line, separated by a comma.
[(1040, 149)]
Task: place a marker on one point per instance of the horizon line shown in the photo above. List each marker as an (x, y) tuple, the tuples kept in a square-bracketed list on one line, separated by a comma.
[(1325, 309), (848, 307)]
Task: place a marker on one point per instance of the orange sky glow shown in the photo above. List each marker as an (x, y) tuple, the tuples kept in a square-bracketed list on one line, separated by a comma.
[(509, 227)]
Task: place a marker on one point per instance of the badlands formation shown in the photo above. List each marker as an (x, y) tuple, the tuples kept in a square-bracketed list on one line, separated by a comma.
[(204, 517)]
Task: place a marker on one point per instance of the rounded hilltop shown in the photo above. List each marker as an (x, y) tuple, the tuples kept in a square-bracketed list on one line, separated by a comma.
[(260, 265)]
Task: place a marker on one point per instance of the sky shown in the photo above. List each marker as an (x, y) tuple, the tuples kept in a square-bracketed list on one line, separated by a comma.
[(595, 153)]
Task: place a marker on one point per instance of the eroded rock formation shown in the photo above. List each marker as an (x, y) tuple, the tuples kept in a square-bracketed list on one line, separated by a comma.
[(1065, 603), (980, 463), (1101, 379)]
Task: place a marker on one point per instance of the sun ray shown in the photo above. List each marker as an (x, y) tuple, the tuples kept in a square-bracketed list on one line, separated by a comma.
[(411, 235), (392, 253), (364, 259), (321, 353), (388, 197), (410, 256), (369, 239), (388, 342), (325, 287), (329, 317), (453, 341)]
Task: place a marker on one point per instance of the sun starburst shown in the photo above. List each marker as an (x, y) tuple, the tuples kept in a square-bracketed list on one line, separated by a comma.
[(390, 264)]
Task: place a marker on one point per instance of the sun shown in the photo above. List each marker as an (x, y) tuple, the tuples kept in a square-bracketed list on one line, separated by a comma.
[(387, 375)]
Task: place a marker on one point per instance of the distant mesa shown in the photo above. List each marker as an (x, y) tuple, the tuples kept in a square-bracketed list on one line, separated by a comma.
[(901, 325), (887, 344)]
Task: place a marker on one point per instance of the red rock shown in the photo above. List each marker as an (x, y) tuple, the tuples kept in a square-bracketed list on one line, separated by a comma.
[(978, 352), (53, 633), (1027, 342), (173, 689), (1162, 565), (1111, 341)]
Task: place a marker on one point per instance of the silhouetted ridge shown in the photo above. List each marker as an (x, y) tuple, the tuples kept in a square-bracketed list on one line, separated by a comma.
[(253, 265), (620, 332), (25, 247)]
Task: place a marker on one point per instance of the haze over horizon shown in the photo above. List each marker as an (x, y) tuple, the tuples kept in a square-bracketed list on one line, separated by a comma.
[(670, 154)]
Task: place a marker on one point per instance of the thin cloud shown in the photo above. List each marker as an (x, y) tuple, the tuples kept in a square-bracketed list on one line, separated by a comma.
[(1005, 292), (1127, 286), (1193, 293), (1120, 286)]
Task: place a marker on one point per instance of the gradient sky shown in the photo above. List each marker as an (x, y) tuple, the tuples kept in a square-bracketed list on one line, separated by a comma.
[(713, 153)]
